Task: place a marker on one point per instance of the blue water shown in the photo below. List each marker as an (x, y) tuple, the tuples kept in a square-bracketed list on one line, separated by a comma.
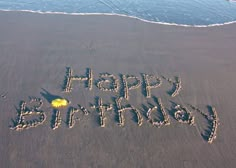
[(188, 12)]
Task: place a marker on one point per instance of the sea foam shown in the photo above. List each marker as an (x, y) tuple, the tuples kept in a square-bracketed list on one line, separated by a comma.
[(122, 15)]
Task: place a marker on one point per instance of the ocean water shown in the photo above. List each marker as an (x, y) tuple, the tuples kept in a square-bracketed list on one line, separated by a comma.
[(185, 12)]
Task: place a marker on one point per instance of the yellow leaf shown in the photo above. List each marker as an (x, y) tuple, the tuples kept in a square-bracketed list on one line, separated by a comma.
[(56, 103)]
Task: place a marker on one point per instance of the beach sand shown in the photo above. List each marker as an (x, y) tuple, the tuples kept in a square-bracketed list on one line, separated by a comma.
[(35, 53)]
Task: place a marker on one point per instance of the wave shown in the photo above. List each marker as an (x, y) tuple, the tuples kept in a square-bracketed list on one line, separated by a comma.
[(122, 15)]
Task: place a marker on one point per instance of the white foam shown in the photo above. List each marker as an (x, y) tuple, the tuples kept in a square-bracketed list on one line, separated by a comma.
[(123, 15)]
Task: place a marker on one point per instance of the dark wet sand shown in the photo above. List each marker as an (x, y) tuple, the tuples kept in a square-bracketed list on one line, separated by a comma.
[(35, 50)]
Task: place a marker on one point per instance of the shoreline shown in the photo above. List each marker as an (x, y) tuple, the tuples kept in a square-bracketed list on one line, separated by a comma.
[(121, 15)]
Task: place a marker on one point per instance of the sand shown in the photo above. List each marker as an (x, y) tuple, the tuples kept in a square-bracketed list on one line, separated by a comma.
[(140, 94)]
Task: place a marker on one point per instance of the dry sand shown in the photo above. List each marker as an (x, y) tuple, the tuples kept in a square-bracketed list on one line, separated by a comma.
[(35, 51)]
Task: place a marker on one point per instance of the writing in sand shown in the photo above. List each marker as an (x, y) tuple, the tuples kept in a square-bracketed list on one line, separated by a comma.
[(121, 85)]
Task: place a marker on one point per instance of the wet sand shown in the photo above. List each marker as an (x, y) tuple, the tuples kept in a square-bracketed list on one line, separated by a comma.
[(178, 83)]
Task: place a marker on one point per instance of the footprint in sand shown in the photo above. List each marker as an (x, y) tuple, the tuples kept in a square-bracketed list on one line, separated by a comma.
[(4, 95)]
